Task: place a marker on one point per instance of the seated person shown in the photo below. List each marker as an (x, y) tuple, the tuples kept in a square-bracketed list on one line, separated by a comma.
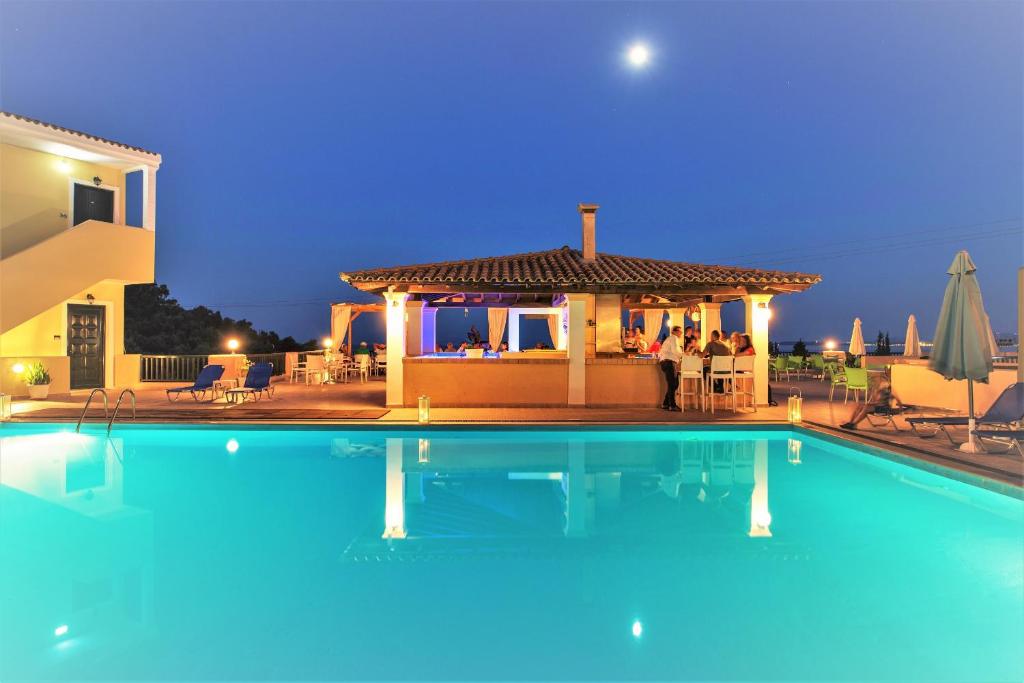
[(880, 401), (743, 346), (503, 346), (449, 348), (629, 342), (639, 339), (734, 342), (715, 347)]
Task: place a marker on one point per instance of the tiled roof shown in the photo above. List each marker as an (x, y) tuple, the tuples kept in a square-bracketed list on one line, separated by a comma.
[(565, 266), (79, 133)]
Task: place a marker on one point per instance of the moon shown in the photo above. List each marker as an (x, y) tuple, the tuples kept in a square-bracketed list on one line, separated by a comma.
[(638, 55)]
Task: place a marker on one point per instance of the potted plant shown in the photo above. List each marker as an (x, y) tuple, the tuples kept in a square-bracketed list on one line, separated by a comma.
[(38, 381)]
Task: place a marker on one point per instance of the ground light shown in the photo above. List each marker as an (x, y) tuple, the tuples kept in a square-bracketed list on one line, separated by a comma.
[(638, 628)]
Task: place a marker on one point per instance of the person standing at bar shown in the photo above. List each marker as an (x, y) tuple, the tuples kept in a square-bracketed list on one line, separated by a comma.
[(669, 357)]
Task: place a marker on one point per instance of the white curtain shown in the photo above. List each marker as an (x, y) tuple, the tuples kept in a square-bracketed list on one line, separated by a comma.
[(554, 321), (496, 319), (652, 324), (340, 315)]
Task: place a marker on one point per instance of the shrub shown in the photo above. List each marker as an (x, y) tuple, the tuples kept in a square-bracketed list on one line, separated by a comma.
[(36, 374)]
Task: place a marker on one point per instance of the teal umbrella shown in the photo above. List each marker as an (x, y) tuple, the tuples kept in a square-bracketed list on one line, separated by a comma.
[(960, 346)]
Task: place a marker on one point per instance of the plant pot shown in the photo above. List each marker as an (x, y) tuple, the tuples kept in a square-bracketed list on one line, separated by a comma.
[(38, 392)]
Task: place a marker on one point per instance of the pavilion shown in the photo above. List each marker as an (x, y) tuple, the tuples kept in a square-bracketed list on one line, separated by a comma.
[(584, 293)]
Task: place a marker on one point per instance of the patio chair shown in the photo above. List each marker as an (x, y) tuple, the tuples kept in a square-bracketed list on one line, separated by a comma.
[(743, 384), (779, 366), (1007, 411), (856, 380), (315, 368), (691, 368), (836, 378), (257, 383), (721, 370), (204, 383), (818, 366), (795, 365), (1009, 438), (362, 366)]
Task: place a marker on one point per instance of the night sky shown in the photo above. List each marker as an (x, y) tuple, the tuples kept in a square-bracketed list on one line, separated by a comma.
[(866, 142)]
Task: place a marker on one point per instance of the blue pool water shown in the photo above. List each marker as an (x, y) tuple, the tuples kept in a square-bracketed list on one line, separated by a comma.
[(207, 553)]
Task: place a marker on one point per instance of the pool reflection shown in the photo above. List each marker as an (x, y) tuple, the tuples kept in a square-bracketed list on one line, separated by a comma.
[(437, 488)]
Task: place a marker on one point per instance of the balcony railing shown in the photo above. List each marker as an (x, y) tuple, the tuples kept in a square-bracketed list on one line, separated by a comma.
[(171, 368), (185, 368)]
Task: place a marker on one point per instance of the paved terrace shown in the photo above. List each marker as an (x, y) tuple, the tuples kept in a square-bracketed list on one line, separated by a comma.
[(357, 403)]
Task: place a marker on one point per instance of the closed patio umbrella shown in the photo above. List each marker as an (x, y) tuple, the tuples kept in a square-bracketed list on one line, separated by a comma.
[(991, 336), (912, 344), (961, 346), (857, 342)]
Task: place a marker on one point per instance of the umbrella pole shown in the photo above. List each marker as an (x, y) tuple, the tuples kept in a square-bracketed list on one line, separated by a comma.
[(970, 446)]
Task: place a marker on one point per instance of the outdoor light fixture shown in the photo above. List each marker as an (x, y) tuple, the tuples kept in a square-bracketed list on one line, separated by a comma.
[(61, 630), (793, 452), (424, 410), (794, 406), (18, 368), (90, 298), (763, 309), (63, 166), (830, 344), (638, 55), (97, 181), (327, 342), (5, 407), (424, 451), (232, 345)]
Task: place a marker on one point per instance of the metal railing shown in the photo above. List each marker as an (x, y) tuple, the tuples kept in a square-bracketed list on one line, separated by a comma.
[(171, 368), (277, 359), (117, 406)]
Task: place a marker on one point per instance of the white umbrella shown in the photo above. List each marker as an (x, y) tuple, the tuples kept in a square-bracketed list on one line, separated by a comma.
[(857, 342), (912, 345)]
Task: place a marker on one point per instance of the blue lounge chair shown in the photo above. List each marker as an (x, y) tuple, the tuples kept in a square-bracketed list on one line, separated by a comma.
[(257, 382), (1010, 438), (1007, 411), (204, 382)]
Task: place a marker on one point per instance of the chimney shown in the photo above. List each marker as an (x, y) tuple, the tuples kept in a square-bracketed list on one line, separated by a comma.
[(588, 212)]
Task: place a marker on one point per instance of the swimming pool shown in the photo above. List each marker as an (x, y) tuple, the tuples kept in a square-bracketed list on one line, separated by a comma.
[(274, 553)]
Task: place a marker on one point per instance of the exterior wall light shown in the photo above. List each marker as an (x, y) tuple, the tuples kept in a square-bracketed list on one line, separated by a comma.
[(97, 181), (63, 166), (327, 342)]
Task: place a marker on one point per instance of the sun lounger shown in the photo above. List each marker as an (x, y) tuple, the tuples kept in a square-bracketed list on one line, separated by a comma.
[(204, 382), (1007, 411), (1009, 438), (257, 383)]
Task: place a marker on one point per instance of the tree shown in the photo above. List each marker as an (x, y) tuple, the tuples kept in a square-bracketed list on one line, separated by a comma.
[(800, 348), (156, 323)]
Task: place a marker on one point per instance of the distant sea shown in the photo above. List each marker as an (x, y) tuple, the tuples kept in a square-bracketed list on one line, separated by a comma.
[(1006, 343)]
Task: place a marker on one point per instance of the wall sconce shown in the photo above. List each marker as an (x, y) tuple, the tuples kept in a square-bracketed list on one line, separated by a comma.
[(97, 181), (695, 316), (424, 451), (793, 452), (5, 407), (424, 410), (794, 406), (764, 311), (90, 298), (63, 166), (591, 323)]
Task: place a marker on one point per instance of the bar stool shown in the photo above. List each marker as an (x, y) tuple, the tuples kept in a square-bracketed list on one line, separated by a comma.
[(692, 368), (721, 369), (743, 384)]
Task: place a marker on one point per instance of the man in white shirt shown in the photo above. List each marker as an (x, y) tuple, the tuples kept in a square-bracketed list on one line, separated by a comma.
[(669, 357)]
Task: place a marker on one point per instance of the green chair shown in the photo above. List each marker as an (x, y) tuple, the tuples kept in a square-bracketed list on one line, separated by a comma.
[(796, 365), (818, 366), (856, 380), (836, 378), (779, 367)]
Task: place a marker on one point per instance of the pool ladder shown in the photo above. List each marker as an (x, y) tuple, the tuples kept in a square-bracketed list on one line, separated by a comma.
[(106, 412)]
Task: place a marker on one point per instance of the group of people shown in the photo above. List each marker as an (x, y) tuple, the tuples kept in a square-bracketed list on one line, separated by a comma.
[(682, 342)]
